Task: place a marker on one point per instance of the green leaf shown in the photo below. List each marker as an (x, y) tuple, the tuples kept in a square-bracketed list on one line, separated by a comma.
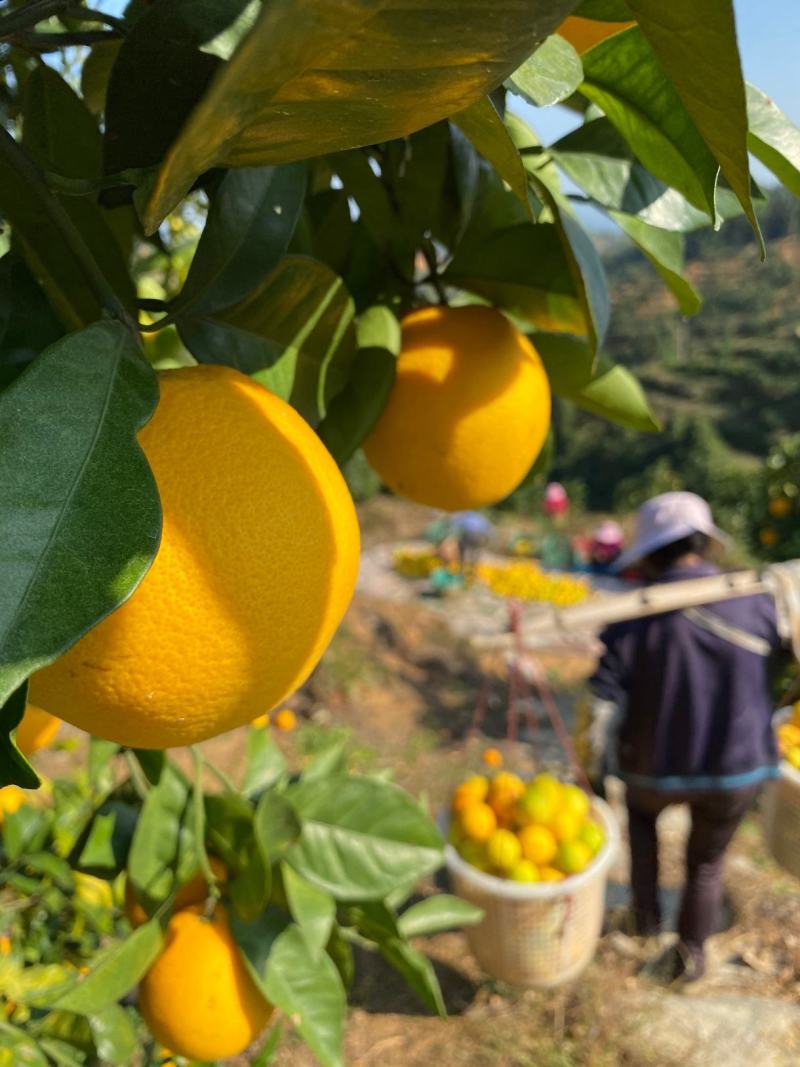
[(96, 74), (418, 972), (484, 127), (24, 830), (330, 759), (77, 492), (550, 75), (114, 972), (276, 825), (664, 249), (701, 60), (163, 853), (67, 1029), (437, 913), (774, 139), (250, 222), (373, 919), (352, 414), (266, 1055), (28, 324), (313, 78), (418, 172), (61, 136), (14, 767), (312, 909), (53, 867), (250, 889), (524, 270), (623, 77), (109, 842), (304, 984), (114, 1035), (101, 758), (266, 763), (22, 1049), (371, 194), (608, 390), (604, 10), (159, 74), (597, 158), (360, 837)]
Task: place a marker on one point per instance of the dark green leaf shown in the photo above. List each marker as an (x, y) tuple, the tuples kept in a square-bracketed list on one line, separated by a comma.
[(418, 170), (28, 324), (341, 952), (256, 937), (313, 78), (371, 194), (163, 853), (53, 867), (312, 909), (418, 972), (158, 76), (251, 219), (701, 60), (373, 919), (664, 249), (609, 390), (229, 828), (276, 825), (484, 128), (62, 137), (114, 1035), (352, 414), (109, 841), (604, 10), (437, 913), (307, 988), (464, 176), (550, 75), (14, 767), (114, 972), (522, 269), (774, 139), (250, 889), (77, 492), (361, 837), (624, 78), (266, 763), (96, 74)]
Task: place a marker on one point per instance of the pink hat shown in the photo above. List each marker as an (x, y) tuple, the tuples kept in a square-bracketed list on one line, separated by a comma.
[(668, 518), (609, 534), (556, 500)]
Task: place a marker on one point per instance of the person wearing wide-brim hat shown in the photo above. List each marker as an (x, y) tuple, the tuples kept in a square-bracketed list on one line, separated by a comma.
[(689, 695)]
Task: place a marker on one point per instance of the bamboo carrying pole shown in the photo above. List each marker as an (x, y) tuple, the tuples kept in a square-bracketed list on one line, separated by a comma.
[(561, 624)]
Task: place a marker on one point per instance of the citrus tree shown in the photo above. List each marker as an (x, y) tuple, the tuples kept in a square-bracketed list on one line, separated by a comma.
[(216, 217)]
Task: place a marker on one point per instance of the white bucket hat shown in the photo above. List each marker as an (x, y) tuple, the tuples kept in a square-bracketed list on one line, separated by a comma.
[(668, 518)]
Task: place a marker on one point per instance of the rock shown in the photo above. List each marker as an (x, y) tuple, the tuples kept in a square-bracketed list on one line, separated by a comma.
[(695, 1031)]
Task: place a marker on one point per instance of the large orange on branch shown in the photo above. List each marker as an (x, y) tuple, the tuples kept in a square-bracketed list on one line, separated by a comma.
[(256, 567), (469, 411)]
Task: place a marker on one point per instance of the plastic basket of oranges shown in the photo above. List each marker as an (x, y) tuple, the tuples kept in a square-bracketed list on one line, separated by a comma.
[(782, 802), (535, 857)]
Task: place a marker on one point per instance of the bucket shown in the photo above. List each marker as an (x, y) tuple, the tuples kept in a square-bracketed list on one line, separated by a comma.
[(538, 934), (782, 812)]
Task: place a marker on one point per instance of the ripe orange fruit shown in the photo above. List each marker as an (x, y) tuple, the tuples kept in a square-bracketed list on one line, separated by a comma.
[(591, 834), (36, 731), (468, 413), (541, 800), (565, 826), (503, 850), (285, 719), (538, 844), (575, 800), (195, 891), (478, 822), (471, 791), (524, 871), (11, 799), (198, 998), (573, 856), (256, 566), (550, 874), (505, 790), (779, 507), (584, 34), (493, 757)]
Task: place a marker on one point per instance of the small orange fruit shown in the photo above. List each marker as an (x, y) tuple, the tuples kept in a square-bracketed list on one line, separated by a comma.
[(198, 998), (591, 834), (575, 800), (285, 719), (538, 844), (469, 792), (503, 850), (550, 874), (478, 822), (573, 857), (565, 826), (779, 507), (36, 731), (524, 871), (493, 757)]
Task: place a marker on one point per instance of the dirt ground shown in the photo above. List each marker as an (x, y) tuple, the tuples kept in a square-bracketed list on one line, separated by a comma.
[(405, 682)]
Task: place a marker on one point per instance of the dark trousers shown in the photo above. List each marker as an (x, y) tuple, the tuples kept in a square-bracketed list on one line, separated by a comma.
[(715, 817)]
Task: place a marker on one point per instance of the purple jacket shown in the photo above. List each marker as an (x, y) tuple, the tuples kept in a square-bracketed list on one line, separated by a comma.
[(694, 693)]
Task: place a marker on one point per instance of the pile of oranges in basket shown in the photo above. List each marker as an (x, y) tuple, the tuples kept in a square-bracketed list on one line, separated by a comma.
[(539, 831)]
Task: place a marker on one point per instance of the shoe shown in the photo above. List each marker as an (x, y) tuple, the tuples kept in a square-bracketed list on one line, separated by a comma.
[(677, 965)]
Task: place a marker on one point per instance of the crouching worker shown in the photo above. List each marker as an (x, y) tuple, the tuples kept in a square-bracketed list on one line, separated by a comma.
[(691, 691)]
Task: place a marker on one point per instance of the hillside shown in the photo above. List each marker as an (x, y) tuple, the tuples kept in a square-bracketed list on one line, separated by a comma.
[(721, 382)]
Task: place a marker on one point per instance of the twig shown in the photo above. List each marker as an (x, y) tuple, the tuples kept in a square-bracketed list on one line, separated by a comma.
[(35, 42), (434, 277)]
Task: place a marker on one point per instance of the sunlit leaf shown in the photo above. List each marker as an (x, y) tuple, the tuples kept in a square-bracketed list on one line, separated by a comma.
[(550, 75), (484, 128), (774, 139)]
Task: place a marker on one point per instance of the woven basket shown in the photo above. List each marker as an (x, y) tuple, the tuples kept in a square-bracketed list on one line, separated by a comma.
[(782, 813), (539, 934)]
